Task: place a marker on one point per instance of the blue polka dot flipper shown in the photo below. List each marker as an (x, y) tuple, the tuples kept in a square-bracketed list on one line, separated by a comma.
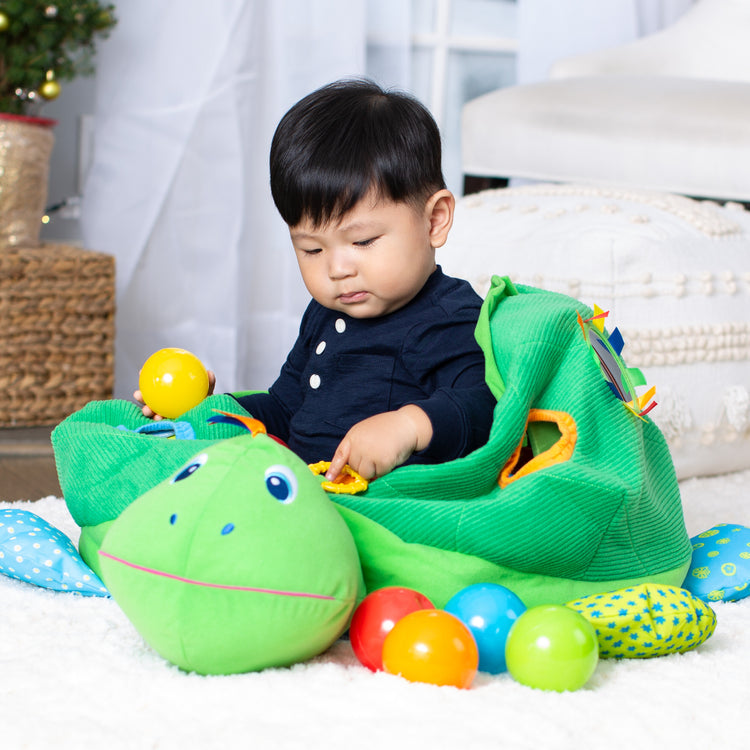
[(33, 551)]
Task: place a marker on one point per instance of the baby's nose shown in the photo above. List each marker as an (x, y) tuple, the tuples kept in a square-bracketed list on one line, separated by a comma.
[(341, 264)]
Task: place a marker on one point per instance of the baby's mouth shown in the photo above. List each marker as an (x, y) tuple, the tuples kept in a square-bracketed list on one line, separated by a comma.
[(352, 297)]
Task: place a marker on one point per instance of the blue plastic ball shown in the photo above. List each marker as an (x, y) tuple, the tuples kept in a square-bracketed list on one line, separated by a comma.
[(489, 611)]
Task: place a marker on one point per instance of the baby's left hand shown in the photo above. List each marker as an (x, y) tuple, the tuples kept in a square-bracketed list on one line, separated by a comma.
[(379, 443)]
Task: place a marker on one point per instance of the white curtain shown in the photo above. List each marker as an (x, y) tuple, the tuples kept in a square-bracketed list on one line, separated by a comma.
[(188, 96)]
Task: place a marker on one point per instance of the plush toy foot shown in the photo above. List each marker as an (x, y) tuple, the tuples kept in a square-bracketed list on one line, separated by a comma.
[(33, 551), (647, 620)]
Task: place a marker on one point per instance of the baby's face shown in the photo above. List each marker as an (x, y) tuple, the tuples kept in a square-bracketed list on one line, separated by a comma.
[(372, 262)]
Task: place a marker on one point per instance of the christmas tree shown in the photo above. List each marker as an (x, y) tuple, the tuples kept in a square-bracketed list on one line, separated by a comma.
[(43, 42)]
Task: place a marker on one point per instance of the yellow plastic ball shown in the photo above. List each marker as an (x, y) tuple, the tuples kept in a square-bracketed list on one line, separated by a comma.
[(173, 381)]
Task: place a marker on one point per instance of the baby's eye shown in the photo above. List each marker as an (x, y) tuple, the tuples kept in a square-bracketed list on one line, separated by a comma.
[(311, 251), (365, 243)]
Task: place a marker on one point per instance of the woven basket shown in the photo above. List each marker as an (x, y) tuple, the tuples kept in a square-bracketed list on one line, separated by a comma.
[(56, 332)]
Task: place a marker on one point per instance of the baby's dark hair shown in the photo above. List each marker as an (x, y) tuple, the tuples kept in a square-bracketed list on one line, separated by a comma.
[(339, 142)]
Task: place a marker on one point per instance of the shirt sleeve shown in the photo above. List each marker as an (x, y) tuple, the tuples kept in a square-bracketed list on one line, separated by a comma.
[(445, 359)]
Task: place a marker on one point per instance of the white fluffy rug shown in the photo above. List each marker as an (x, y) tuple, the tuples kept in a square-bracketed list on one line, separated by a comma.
[(75, 674)]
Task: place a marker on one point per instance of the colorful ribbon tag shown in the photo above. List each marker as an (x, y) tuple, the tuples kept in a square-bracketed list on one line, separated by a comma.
[(623, 380)]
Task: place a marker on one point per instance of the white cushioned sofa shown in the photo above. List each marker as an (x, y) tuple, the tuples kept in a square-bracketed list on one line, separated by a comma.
[(617, 140)]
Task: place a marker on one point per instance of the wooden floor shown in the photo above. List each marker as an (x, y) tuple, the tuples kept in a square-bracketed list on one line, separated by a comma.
[(27, 464)]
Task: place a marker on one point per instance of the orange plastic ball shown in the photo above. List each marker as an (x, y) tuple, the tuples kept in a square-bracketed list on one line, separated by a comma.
[(431, 646), (173, 381)]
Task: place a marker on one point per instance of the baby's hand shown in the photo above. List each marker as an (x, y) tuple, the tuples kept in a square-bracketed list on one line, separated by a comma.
[(379, 443), (151, 414)]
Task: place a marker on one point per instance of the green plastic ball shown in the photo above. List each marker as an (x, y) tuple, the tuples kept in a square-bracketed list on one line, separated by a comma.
[(552, 647)]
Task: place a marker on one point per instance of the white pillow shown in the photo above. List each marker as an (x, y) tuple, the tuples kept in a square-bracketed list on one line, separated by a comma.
[(674, 274)]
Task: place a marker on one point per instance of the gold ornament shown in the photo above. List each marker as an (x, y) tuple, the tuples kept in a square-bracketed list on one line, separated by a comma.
[(50, 89), (4, 21)]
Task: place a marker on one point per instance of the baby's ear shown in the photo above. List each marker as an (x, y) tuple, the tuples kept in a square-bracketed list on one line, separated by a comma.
[(439, 209)]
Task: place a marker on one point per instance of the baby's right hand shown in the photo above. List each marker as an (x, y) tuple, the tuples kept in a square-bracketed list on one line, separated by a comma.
[(151, 414)]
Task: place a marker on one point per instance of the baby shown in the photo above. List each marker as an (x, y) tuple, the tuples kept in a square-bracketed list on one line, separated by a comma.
[(385, 370)]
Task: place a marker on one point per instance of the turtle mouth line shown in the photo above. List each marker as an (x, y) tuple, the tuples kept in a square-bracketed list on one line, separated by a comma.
[(225, 586)]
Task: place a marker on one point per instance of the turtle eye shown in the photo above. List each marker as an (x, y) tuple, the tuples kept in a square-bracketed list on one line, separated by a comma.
[(191, 468), (281, 483)]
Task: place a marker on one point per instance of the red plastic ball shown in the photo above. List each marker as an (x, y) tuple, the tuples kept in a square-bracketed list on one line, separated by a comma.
[(375, 617), (432, 646)]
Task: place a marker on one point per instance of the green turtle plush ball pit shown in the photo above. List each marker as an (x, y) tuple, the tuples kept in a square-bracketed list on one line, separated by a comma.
[(574, 494)]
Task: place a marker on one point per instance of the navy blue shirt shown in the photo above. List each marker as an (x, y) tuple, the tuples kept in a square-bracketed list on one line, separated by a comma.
[(342, 370)]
